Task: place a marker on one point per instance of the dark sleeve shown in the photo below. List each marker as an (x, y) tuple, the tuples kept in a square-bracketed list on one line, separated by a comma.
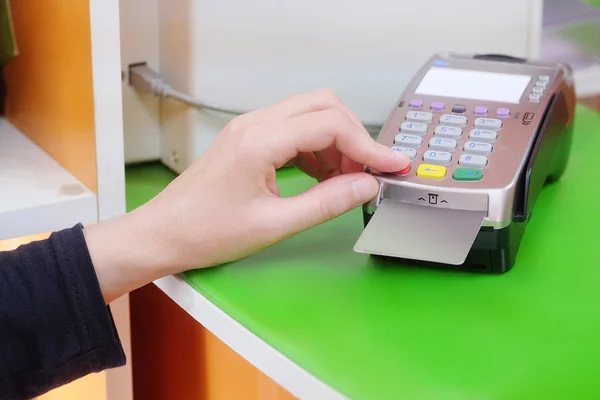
[(54, 324)]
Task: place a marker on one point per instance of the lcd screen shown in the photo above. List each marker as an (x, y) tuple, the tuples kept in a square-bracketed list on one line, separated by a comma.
[(476, 85)]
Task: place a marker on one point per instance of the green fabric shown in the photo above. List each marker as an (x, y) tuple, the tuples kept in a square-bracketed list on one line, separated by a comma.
[(8, 47), (376, 330)]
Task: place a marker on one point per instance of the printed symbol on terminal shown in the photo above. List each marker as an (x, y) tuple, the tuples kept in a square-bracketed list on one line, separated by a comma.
[(527, 117), (433, 198)]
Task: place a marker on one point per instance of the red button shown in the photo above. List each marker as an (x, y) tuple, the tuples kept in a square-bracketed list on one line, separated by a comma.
[(404, 171)]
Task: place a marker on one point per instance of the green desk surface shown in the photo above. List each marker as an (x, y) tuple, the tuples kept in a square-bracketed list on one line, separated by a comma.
[(375, 330)]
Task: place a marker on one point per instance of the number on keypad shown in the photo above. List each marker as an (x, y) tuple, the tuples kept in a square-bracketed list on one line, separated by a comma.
[(478, 148), (488, 123), (442, 144), (419, 116), (408, 140), (454, 120), (483, 135), (413, 127), (451, 132), (437, 157)]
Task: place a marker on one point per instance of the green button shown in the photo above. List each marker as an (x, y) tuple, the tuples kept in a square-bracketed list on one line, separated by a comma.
[(467, 174)]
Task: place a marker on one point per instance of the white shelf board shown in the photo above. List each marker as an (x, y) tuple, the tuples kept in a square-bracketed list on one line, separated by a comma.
[(289, 375), (37, 195)]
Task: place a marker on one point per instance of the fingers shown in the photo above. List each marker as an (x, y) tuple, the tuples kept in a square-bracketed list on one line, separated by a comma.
[(324, 201), (318, 131), (317, 100)]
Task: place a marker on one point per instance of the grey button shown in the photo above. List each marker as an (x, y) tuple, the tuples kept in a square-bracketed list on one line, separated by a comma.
[(459, 109), (537, 90), (488, 123), (410, 152), (437, 157), (452, 132), (408, 140), (541, 84), (544, 78), (419, 116), (483, 135), (477, 148), (472, 160), (534, 98), (442, 144), (453, 120), (413, 127)]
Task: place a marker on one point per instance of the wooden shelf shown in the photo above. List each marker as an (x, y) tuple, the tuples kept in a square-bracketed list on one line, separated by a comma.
[(36, 194)]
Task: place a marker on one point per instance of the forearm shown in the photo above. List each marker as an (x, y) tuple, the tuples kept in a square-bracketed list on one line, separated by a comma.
[(54, 324)]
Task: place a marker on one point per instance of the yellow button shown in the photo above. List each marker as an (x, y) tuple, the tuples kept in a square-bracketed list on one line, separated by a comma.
[(431, 171)]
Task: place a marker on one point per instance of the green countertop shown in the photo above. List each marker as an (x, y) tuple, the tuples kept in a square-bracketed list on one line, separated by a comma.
[(375, 330)]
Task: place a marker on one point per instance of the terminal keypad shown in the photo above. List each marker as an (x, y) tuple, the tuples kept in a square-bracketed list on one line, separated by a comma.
[(481, 126)]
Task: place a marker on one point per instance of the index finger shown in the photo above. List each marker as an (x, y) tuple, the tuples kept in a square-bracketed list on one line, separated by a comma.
[(320, 130)]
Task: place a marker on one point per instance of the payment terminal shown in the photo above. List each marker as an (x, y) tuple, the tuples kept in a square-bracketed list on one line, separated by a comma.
[(484, 133)]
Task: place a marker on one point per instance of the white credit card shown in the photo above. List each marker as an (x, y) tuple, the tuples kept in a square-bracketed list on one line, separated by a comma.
[(417, 232)]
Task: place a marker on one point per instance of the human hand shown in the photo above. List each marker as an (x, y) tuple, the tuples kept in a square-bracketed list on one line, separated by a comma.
[(226, 205)]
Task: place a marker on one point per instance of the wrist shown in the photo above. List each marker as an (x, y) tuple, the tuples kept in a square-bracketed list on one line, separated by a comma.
[(127, 252)]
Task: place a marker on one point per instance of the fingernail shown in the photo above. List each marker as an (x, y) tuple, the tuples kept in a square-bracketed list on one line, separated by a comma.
[(365, 188)]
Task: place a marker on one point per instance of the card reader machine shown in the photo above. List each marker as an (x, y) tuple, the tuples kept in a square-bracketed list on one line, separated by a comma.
[(484, 133)]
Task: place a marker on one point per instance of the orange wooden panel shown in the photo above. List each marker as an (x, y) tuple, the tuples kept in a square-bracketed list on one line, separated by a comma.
[(50, 94), (177, 358)]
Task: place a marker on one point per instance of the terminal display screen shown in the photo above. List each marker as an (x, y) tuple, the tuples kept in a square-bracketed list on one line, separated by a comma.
[(476, 85)]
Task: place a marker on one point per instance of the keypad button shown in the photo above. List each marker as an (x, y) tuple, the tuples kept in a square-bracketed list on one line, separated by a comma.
[(544, 78), (537, 90), (472, 160), (419, 116), (442, 144), (488, 123), (534, 98), (477, 148), (483, 135), (480, 110), (502, 112), (431, 171), (437, 157), (416, 104), (409, 151), (541, 84), (467, 174), (451, 132), (414, 127), (459, 109), (453, 120), (437, 106), (408, 140)]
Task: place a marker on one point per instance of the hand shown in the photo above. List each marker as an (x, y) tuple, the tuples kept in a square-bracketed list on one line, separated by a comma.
[(225, 206)]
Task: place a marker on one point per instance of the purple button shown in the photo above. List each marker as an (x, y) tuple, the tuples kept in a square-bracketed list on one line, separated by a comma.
[(480, 110), (503, 113), (416, 104), (437, 106)]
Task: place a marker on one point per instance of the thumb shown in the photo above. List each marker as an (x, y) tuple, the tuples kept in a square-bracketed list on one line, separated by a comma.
[(327, 200)]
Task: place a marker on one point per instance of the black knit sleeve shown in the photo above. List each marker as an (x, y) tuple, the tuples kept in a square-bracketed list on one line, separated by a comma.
[(54, 324)]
